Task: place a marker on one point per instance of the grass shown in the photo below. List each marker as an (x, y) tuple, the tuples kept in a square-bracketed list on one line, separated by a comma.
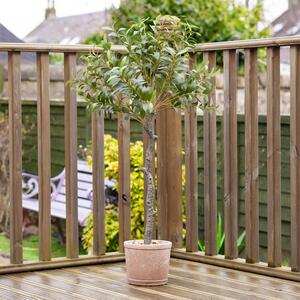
[(31, 247)]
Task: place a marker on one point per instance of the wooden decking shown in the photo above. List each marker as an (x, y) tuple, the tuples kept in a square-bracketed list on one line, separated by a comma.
[(187, 280)]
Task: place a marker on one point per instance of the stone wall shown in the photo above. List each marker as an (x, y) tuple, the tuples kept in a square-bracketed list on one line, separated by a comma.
[(29, 82), (29, 88)]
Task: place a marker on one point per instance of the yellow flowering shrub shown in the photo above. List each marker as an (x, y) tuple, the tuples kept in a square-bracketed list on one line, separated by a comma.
[(137, 195)]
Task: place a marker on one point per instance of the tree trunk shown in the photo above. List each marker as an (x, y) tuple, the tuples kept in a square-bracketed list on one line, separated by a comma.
[(149, 180)]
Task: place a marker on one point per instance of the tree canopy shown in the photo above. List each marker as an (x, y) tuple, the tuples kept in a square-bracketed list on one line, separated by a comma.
[(152, 76)]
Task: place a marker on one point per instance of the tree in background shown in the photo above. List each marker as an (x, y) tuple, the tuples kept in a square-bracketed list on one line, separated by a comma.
[(4, 174), (214, 20)]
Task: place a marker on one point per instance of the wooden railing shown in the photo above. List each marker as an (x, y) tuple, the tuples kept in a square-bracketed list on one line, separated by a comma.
[(44, 163), (230, 259), (169, 164), (169, 127)]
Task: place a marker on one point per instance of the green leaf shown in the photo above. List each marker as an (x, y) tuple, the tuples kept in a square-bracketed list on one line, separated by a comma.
[(201, 246), (147, 107)]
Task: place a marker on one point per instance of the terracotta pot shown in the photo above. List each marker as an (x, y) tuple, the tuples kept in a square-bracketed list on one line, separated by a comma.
[(147, 264)]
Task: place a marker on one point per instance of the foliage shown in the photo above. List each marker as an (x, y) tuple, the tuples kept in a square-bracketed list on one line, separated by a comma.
[(221, 239), (214, 20), (56, 58), (111, 172), (31, 247), (95, 38), (152, 76)]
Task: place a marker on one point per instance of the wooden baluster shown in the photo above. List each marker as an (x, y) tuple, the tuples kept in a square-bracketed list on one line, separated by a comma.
[(273, 157), (210, 169), (295, 158), (44, 155), (124, 179), (98, 184), (230, 155), (251, 157), (15, 158), (191, 170), (71, 157)]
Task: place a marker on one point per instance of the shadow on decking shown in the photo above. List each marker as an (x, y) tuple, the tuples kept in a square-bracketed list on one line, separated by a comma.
[(187, 280)]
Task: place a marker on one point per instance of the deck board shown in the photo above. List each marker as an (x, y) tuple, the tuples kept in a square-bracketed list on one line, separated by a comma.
[(187, 280)]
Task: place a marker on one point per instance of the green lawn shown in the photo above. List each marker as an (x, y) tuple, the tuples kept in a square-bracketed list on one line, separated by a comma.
[(31, 247)]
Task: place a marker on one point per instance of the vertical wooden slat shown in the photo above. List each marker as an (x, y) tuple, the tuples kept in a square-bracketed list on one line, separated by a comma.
[(71, 156), (44, 155), (210, 169), (251, 157), (169, 180), (230, 155), (273, 157), (15, 158), (98, 184), (162, 203), (295, 158), (124, 179), (145, 145), (191, 170)]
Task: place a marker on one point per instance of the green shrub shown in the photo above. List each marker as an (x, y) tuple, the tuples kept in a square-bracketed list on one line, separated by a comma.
[(221, 239)]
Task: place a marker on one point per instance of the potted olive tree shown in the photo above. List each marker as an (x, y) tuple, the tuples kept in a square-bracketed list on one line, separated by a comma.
[(152, 76)]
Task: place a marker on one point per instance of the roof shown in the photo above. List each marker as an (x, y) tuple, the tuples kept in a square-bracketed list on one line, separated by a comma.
[(68, 30), (287, 23), (8, 37)]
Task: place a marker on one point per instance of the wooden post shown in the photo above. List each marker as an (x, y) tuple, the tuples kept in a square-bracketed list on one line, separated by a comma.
[(169, 160), (295, 158), (191, 170), (44, 156), (210, 168), (98, 184), (251, 157), (71, 157), (273, 158), (15, 157), (230, 155), (124, 179)]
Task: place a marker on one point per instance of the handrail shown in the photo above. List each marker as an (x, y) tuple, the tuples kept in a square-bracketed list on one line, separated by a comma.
[(253, 43), (43, 47), (213, 46)]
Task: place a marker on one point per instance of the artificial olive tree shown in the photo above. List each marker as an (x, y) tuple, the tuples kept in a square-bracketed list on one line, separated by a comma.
[(153, 75)]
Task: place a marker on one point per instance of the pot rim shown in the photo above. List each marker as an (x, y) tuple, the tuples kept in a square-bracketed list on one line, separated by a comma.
[(139, 245)]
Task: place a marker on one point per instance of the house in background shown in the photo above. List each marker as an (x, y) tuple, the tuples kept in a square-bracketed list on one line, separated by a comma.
[(8, 37), (67, 30), (287, 24)]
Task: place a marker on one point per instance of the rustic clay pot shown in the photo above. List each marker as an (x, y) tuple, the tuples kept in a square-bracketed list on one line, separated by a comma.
[(147, 264)]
